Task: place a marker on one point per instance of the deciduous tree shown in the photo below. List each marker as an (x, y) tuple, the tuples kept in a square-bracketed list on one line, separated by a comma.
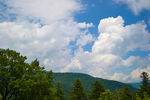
[(22, 81)]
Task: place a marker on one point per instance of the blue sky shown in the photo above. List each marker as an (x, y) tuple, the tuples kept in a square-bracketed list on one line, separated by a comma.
[(104, 38)]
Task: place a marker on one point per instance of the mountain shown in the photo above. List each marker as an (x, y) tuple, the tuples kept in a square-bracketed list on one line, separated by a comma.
[(135, 85), (67, 80)]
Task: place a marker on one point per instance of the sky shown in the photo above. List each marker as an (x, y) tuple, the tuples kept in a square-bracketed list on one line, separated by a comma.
[(104, 38)]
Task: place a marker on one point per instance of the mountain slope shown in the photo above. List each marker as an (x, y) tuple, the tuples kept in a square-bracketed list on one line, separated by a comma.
[(67, 80), (135, 85)]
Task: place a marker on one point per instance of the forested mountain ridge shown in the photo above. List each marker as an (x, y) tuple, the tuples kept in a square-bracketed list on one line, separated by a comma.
[(67, 80), (20, 80)]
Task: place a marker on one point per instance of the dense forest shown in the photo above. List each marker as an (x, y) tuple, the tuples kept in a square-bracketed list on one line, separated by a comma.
[(67, 80), (20, 80)]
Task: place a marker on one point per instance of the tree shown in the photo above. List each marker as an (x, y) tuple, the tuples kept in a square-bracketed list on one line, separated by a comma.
[(12, 66), (145, 87), (98, 89), (145, 82), (123, 94), (78, 92), (0, 97), (145, 97), (22, 81), (107, 95), (59, 93)]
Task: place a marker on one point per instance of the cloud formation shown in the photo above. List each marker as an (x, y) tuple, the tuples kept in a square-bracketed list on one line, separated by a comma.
[(44, 29), (113, 43), (136, 5), (46, 11), (47, 30)]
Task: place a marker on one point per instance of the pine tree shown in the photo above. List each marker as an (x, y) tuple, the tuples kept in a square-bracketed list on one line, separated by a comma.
[(145, 87), (78, 92), (98, 89), (59, 92), (145, 83)]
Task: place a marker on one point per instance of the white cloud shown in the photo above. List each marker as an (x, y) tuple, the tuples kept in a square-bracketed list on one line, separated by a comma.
[(85, 39), (46, 11), (142, 65), (50, 42), (136, 5), (43, 29), (120, 76), (115, 40), (134, 76), (137, 72), (132, 60), (120, 39), (74, 65), (85, 25)]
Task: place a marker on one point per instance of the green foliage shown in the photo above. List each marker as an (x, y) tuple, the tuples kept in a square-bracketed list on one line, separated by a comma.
[(22, 81), (0, 97), (138, 97), (78, 92), (67, 80), (146, 97), (145, 87), (123, 94), (107, 95), (59, 93), (96, 91), (145, 84)]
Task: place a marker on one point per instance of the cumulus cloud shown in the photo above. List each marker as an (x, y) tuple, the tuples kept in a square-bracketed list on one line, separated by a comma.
[(43, 29), (135, 74), (48, 41), (46, 11), (136, 5), (85, 39), (120, 39), (115, 40), (74, 65), (120, 76)]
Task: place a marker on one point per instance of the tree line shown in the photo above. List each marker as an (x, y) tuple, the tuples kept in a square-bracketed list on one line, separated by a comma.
[(20, 80)]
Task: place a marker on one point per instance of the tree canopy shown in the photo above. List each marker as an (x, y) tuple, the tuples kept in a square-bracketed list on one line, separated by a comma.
[(22, 81), (97, 90), (145, 87), (78, 92), (59, 92)]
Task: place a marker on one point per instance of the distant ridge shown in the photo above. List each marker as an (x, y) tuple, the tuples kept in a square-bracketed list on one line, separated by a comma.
[(135, 85), (67, 80)]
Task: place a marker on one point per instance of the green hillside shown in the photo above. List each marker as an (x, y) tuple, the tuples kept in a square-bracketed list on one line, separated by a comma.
[(67, 79)]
